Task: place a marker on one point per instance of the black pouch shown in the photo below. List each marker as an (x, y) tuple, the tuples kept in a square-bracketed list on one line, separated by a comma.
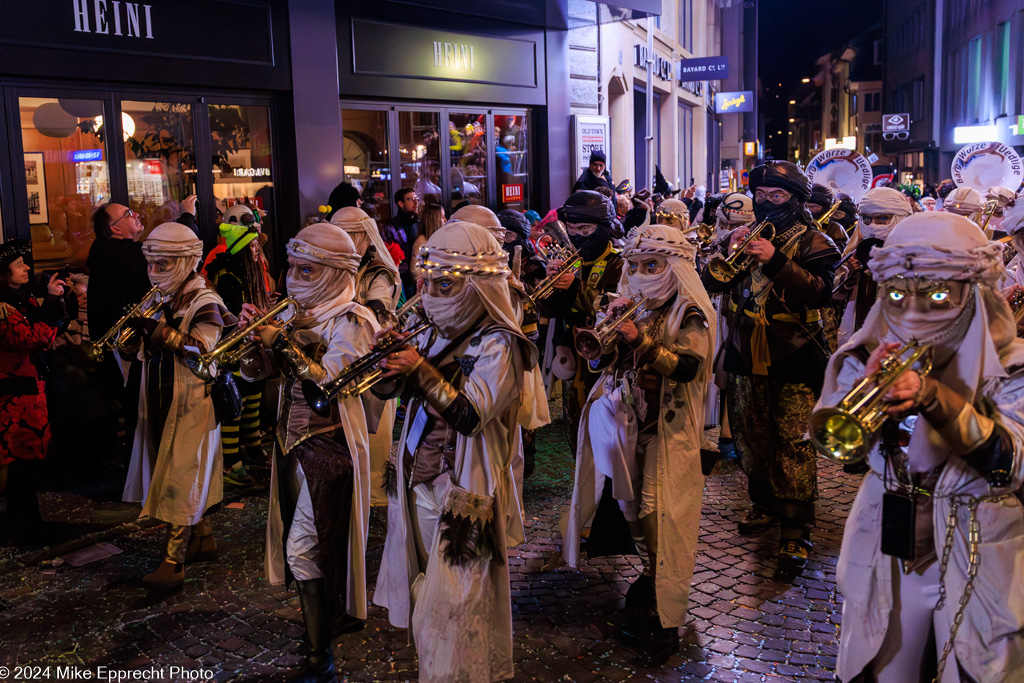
[(899, 517), (227, 399)]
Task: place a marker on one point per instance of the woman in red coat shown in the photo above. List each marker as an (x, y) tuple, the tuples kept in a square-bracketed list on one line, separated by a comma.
[(26, 329)]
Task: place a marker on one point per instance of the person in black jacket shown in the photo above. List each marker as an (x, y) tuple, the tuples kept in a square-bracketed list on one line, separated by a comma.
[(775, 357), (597, 175)]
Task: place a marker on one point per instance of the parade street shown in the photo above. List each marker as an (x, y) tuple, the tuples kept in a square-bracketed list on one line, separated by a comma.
[(228, 624)]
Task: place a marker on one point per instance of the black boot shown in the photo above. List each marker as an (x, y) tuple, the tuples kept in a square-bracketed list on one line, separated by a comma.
[(318, 666), (343, 623)]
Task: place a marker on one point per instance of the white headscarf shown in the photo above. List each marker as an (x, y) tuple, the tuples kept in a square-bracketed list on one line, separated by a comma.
[(881, 200), (680, 278), (736, 207), (177, 241), (964, 201), (674, 213), (364, 233), (331, 294), (482, 216), (978, 341)]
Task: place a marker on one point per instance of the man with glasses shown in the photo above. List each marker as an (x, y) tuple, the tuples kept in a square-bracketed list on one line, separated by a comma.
[(775, 358), (404, 228)]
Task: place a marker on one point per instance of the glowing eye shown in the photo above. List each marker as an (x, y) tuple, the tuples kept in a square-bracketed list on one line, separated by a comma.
[(939, 297), (896, 295)]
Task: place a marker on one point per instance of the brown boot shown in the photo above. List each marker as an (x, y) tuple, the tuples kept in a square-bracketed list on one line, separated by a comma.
[(168, 577), (201, 549)]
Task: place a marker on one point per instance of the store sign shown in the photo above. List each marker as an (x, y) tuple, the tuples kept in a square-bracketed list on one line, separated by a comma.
[(100, 16), (662, 66), (590, 133), (258, 172), (750, 149), (511, 193), (895, 123), (87, 155), (734, 102), (383, 49), (703, 69)]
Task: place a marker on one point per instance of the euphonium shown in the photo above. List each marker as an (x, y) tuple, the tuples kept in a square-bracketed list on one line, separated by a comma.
[(117, 335), (843, 433), (364, 372), (726, 269), (237, 344), (592, 343)]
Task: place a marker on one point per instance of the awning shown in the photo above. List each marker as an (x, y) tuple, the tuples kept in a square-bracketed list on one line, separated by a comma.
[(609, 11)]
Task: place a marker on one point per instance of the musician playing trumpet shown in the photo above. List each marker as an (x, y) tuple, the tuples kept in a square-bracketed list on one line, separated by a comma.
[(320, 477), (641, 431), (930, 566), (775, 357), (177, 462), (1011, 284)]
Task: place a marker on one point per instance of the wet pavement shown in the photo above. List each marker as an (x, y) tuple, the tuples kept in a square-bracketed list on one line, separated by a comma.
[(228, 624)]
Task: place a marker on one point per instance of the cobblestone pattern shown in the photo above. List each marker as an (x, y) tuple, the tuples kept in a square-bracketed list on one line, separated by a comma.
[(228, 619)]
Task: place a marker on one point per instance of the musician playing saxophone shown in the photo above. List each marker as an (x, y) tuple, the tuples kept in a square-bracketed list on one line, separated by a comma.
[(930, 566), (641, 431), (320, 494)]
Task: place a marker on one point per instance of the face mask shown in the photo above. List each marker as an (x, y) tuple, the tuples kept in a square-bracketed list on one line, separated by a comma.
[(453, 315), (593, 245), (170, 281), (657, 288), (781, 216)]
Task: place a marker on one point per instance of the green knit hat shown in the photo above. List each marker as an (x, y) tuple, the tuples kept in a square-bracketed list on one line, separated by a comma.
[(237, 237)]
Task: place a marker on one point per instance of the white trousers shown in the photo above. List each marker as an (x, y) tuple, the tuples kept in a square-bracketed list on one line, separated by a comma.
[(645, 499), (425, 501), (911, 622), (302, 547)]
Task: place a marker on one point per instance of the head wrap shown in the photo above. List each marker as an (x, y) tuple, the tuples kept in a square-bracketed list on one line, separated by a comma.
[(786, 176), (587, 206), (358, 225), (736, 207), (482, 216), (176, 241), (514, 221), (963, 201), (977, 345), (327, 245), (822, 196), (881, 200), (849, 209), (675, 213), (1004, 196), (1013, 222)]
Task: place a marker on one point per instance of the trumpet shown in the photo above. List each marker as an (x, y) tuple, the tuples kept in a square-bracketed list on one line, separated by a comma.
[(726, 269), (364, 372), (570, 264), (237, 344), (990, 209), (705, 234), (822, 223), (592, 343), (117, 335), (842, 434)]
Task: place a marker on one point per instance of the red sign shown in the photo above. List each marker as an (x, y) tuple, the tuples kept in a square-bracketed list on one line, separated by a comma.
[(511, 193)]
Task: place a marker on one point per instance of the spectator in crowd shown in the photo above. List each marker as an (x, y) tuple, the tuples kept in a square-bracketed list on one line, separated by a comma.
[(403, 228), (433, 218), (345, 194), (596, 175)]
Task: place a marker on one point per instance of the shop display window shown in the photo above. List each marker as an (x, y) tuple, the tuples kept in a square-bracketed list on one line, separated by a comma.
[(366, 160), (467, 150), (419, 150), (511, 161), (64, 142), (241, 147), (159, 152)]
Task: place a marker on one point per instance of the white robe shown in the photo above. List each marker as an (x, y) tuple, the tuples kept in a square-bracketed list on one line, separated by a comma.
[(347, 334), (483, 466), (1014, 274), (988, 645), (680, 486), (180, 478)]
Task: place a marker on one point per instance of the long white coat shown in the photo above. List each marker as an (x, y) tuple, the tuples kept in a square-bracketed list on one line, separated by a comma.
[(483, 466), (181, 477), (680, 486), (988, 645), (347, 335)]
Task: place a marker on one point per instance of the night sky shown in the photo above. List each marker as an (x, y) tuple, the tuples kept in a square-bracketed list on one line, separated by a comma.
[(793, 35)]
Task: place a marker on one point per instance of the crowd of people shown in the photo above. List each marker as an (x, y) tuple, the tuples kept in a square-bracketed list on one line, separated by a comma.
[(767, 313)]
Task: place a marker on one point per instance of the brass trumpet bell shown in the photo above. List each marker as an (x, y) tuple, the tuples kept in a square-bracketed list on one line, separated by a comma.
[(592, 343), (727, 269), (117, 335)]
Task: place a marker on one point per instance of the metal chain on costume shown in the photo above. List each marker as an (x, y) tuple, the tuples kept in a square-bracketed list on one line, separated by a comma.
[(973, 562)]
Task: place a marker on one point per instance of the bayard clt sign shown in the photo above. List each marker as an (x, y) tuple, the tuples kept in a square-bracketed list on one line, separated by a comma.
[(704, 69), (733, 102)]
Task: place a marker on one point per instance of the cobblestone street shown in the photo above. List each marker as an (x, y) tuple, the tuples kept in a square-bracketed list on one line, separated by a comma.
[(230, 621)]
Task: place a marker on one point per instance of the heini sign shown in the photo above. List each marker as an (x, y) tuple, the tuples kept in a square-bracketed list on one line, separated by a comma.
[(453, 56), (115, 17)]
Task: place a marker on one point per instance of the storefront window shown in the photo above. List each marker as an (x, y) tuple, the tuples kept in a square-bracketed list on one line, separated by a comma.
[(419, 147), (467, 148), (367, 163), (512, 162), (159, 152), (242, 169), (64, 144)]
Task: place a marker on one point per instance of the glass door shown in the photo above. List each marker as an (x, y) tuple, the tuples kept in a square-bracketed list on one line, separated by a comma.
[(512, 160), (367, 163), (419, 154), (468, 159)]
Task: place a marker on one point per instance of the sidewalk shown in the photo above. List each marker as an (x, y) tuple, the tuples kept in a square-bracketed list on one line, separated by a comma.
[(231, 623)]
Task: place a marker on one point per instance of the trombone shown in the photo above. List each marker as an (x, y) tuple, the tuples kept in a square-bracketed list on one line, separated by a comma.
[(842, 433), (117, 335), (726, 269), (237, 344), (593, 342), (364, 372)]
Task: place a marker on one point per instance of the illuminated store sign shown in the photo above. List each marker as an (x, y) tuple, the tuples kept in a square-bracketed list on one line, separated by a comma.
[(732, 102), (132, 20)]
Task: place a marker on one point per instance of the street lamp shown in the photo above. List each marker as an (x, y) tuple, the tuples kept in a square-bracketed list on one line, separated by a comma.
[(805, 80)]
